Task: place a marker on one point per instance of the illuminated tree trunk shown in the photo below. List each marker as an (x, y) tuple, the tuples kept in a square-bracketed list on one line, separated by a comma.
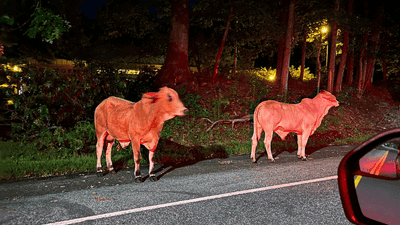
[(221, 47), (288, 47), (303, 54), (319, 63), (332, 54), (175, 70)]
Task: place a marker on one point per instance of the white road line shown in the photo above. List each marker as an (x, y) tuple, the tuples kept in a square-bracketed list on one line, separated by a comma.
[(190, 201)]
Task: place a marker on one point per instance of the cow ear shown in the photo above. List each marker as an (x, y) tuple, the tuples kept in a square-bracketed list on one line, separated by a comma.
[(150, 97)]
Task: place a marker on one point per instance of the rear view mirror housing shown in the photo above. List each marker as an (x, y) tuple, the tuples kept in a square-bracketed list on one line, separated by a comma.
[(376, 198)]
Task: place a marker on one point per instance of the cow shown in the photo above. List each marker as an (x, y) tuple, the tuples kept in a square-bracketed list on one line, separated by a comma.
[(302, 118), (136, 123)]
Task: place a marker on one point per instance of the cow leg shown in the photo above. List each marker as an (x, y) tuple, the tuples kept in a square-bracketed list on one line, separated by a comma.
[(99, 152), (302, 142), (137, 157), (108, 158), (152, 175), (267, 143), (254, 140), (299, 140)]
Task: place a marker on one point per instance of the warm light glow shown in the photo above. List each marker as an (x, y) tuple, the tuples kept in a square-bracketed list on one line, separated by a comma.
[(16, 69), (271, 78), (324, 29)]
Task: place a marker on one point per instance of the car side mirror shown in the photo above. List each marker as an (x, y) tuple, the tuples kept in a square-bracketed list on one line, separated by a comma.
[(369, 180)]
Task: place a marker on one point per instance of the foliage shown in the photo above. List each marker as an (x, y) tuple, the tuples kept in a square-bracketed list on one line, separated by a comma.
[(50, 100), (192, 102), (295, 73), (48, 25)]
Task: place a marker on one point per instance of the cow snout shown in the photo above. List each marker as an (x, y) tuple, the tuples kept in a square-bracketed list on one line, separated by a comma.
[(185, 111)]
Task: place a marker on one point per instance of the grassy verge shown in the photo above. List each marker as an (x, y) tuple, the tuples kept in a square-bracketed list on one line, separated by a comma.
[(190, 142)]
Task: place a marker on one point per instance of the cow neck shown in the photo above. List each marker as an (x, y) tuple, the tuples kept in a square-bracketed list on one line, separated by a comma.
[(150, 116)]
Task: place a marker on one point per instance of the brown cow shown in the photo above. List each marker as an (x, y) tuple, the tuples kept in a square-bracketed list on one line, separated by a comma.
[(136, 123), (302, 118)]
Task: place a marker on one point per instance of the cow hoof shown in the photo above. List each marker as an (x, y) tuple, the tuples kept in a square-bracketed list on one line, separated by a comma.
[(304, 159), (299, 157), (138, 179), (153, 178), (272, 160), (99, 172)]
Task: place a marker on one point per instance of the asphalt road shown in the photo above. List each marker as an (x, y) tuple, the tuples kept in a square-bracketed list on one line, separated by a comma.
[(217, 191)]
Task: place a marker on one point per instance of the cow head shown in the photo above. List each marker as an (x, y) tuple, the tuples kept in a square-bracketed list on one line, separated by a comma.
[(329, 97), (167, 100)]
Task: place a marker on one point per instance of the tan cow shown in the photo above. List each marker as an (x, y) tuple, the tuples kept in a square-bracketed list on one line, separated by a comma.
[(302, 118), (136, 123)]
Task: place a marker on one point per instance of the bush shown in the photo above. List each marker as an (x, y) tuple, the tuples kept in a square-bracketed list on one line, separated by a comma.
[(51, 102)]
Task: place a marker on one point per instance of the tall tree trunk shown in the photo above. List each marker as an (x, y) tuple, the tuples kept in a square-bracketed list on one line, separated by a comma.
[(283, 21), (371, 59), (384, 64), (360, 65), (332, 54), (288, 47), (374, 48), (319, 63), (350, 66), (175, 69), (234, 61), (221, 47), (343, 59), (303, 53)]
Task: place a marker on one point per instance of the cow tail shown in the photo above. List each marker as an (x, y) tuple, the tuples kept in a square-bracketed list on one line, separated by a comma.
[(255, 122)]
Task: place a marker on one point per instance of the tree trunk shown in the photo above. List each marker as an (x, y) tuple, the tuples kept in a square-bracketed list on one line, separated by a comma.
[(360, 65), (339, 78), (303, 53), (343, 59), (234, 61), (350, 66), (319, 62), (384, 70), (371, 59), (221, 47), (288, 47), (281, 45), (332, 54), (175, 70)]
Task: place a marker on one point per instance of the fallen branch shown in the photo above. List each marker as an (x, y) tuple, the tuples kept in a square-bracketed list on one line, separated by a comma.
[(243, 119)]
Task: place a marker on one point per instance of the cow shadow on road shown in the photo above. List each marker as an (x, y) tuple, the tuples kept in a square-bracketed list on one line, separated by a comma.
[(292, 152), (175, 155)]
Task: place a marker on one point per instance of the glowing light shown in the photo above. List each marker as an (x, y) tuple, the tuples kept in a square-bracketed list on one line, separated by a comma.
[(324, 30), (16, 69)]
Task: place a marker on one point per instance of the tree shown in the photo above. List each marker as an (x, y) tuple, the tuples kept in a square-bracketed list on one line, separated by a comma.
[(332, 54), (343, 59), (221, 48), (175, 69), (42, 20), (288, 46)]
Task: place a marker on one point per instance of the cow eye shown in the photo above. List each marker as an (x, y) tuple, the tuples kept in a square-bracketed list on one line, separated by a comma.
[(169, 98)]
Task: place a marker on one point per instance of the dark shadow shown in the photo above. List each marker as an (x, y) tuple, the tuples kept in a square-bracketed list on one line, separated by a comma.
[(178, 156), (172, 155)]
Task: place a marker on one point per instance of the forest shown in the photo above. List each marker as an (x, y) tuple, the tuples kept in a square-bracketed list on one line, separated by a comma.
[(222, 57), (343, 42)]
